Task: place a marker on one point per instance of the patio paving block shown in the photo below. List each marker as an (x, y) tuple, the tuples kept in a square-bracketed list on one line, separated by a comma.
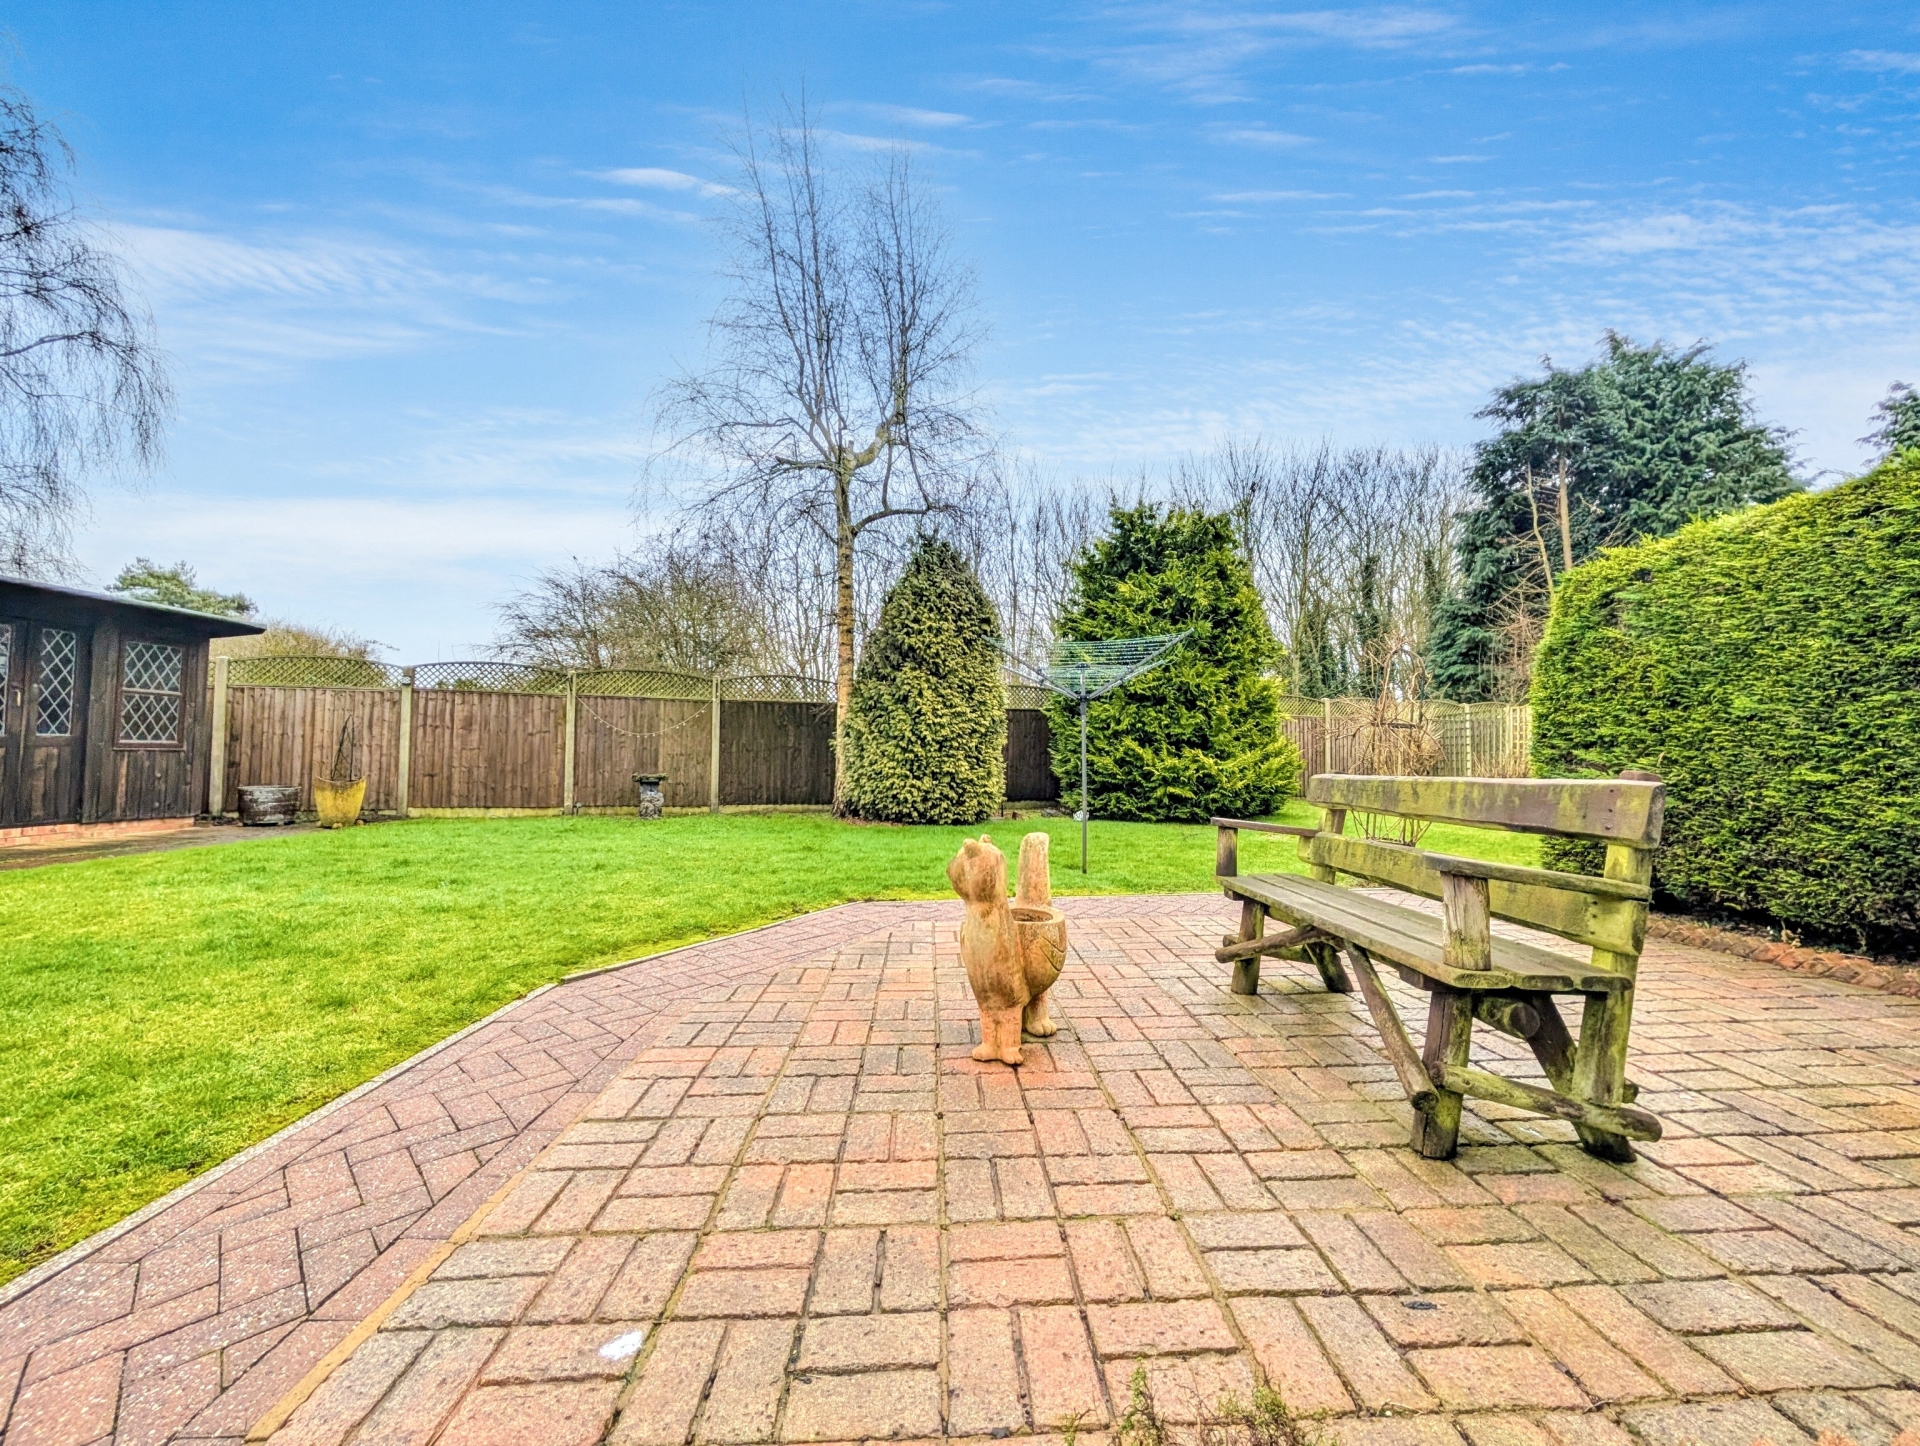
[(789, 1207)]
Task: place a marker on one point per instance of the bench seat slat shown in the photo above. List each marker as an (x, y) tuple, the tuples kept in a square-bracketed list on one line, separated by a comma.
[(1618, 925), (1410, 937)]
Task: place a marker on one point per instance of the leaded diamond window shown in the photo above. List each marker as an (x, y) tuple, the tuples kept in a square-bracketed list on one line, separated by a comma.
[(150, 693), (53, 693), (6, 675)]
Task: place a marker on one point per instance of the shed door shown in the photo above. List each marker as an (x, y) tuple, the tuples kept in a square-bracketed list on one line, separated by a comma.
[(45, 720)]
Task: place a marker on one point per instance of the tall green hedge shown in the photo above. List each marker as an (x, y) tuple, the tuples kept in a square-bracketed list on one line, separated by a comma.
[(1767, 666), (926, 732), (1200, 734)]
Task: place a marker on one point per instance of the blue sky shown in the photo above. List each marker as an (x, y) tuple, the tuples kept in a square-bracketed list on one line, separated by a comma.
[(420, 267)]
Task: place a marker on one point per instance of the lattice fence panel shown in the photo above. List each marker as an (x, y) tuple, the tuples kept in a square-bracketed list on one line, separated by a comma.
[(311, 672), (490, 677), (775, 688), (1027, 695), (644, 683)]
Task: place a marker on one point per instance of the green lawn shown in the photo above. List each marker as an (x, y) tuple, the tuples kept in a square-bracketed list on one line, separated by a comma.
[(163, 1011)]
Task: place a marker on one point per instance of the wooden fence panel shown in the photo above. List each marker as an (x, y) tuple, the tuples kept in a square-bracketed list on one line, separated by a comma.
[(487, 750), (616, 738), (287, 735), (1029, 761), (776, 753), (1479, 740)]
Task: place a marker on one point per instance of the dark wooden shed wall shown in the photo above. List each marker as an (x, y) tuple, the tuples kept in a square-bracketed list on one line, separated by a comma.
[(117, 783)]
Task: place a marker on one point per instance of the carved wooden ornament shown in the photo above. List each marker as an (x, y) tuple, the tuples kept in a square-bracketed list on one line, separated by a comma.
[(1012, 951)]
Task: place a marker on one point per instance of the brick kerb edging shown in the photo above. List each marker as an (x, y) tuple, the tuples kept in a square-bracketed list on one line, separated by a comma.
[(23, 1284), (1848, 968)]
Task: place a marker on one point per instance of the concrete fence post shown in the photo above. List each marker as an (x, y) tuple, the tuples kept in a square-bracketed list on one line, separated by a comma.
[(405, 765), (217, 751)]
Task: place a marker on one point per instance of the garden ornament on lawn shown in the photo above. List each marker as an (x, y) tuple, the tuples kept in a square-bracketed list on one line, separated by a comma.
[(652, 800), (1012, 951)]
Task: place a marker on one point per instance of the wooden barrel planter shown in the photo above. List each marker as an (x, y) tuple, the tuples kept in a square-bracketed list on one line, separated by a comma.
[(265, 804)]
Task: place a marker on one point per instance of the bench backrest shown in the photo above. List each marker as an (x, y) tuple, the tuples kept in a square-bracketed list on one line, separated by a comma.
[(1625, 814), (1610, 810)]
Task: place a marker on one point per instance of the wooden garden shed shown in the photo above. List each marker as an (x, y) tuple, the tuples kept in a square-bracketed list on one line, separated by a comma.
[(104, 714)]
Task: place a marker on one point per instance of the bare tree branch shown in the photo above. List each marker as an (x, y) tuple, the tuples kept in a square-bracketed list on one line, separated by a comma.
[(837, 394)]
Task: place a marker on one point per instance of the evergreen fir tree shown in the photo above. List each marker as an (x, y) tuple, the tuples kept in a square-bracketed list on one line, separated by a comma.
[(1647, 439), (1199, 735), (1898, 415)]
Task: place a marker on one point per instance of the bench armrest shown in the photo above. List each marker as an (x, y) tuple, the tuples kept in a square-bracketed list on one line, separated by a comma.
[(1226, 856), (1293, 828), (1545, 878)]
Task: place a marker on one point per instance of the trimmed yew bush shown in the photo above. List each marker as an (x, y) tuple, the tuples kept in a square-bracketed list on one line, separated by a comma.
[(1767, 666), (926, 732)]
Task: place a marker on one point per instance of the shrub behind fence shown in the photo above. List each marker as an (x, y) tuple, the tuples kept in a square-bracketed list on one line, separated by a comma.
[(1476, 740)]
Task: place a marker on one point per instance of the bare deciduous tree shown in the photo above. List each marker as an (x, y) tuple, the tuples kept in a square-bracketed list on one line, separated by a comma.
[(672, 607), (1030, 528), (81, 383), (837, 394), (1348, 545)]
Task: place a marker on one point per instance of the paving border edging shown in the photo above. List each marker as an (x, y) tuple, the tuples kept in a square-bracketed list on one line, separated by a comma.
[(282, 1410), (1848, 968)]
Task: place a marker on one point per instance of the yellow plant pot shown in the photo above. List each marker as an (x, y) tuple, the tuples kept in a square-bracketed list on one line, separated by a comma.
[(338, 804)]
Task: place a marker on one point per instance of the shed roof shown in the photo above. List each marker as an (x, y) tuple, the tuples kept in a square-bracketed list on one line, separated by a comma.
[(211, 625)]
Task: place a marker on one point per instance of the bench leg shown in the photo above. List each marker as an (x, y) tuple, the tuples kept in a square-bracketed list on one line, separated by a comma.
[(1552, 1045), (1600, 1067), (1246, 972), (1436, 1130), (1326, 958)]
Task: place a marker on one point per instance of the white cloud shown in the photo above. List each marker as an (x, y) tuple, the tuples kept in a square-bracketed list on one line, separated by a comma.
[(1262, 136), (908, 115), (1201, 51), (659, 179), (1250, 197), (226, 300), (1905, 62)]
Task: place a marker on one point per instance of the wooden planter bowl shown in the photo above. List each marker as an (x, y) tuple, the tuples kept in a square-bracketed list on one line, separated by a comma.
[(1042, 937)]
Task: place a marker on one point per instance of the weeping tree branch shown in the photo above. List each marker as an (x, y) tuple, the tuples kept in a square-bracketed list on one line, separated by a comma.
[(82, 387)]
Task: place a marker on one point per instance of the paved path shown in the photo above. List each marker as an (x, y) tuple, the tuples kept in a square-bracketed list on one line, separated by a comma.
[(765, 1195), (64, 849), (196, 1321)]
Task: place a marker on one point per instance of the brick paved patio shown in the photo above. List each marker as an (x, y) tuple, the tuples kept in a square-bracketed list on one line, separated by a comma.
[(800, 1212)]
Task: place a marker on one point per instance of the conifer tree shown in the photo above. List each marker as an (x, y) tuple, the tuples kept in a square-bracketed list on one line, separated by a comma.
[(1199, 735), (926, 731), (1632, 446)]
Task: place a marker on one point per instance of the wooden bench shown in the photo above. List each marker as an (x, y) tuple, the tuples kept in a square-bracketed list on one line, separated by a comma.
[(1468, 972)]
